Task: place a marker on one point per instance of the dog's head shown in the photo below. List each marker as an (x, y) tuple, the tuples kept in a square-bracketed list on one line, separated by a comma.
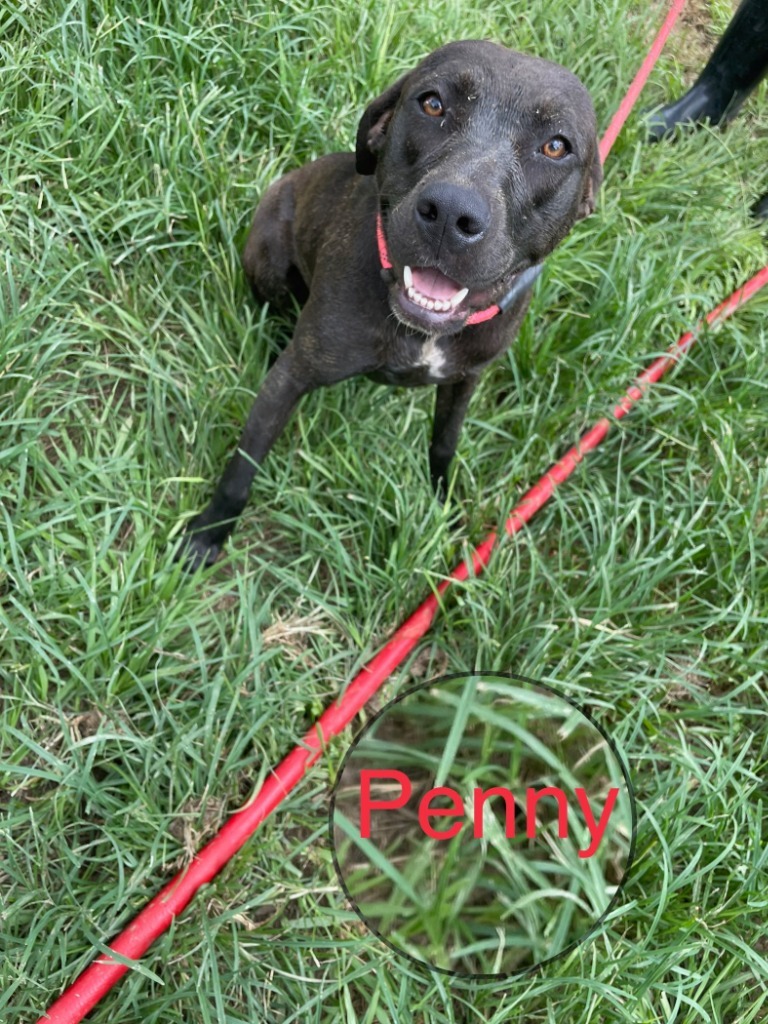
[(484, 160)]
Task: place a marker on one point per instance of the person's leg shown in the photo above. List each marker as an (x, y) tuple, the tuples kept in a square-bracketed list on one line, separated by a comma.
[(737, 65)]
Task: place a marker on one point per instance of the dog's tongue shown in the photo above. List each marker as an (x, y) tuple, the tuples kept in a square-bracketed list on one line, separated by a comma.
[(432, 284)]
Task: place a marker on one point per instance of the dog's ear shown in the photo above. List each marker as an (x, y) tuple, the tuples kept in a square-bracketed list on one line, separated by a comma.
[(591, 184), (373, 127)]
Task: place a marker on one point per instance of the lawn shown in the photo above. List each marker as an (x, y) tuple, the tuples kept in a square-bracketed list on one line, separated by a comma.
[(139, 707)]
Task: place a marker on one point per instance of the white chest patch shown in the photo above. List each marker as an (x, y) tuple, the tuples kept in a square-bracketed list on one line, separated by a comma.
[(432, 357)]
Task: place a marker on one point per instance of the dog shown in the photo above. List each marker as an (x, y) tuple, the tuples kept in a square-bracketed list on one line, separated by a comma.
[(412, 258)]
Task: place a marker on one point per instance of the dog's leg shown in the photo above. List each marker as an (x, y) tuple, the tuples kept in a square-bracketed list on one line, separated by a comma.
[(269, 256), (451, 403), (283, 386)]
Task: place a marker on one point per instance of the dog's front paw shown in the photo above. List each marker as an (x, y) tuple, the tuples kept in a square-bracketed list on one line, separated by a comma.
[(440, 487), (196, 551), (200, 544)]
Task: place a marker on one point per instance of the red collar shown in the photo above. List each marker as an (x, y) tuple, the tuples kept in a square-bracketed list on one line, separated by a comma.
[(522, 283)]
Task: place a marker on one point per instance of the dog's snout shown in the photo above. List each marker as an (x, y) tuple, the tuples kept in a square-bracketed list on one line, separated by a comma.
[(452, 215)]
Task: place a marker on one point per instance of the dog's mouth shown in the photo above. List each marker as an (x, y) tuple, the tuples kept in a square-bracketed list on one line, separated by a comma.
[(430, 300), (429, 289)]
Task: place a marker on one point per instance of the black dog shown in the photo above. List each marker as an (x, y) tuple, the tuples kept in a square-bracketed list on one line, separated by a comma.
[(410, 256)]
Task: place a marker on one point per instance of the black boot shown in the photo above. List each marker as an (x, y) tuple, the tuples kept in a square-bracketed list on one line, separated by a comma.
[(760, 208), (736, 66)]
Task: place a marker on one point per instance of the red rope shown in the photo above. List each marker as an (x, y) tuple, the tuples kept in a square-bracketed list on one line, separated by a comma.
[(626, 105), (158, 915)]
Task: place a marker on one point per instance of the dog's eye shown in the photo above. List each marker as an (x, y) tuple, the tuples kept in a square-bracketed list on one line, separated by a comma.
[(556, 148), (432, 104)]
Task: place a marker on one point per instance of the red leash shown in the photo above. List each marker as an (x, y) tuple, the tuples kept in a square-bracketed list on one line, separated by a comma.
[(626, 105), (158, 915)]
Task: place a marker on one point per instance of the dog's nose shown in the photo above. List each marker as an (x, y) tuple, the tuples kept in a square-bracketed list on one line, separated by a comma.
[(452, 215)]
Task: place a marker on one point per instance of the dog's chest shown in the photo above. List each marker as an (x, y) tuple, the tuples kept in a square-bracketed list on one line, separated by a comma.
[(414, 360), (433, 357)]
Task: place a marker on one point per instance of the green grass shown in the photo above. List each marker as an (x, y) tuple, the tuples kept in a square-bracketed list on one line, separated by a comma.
[(140, 707), (507, 890)]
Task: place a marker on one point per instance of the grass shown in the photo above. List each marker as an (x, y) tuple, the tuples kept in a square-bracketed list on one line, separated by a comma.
[(140, 707), (504, 888)]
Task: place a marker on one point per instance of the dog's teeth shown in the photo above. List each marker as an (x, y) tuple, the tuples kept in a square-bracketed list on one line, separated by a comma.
[(433, 305)]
